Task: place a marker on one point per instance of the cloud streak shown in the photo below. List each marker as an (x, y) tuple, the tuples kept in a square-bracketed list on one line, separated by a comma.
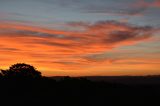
[(143, 3), (68, 50)]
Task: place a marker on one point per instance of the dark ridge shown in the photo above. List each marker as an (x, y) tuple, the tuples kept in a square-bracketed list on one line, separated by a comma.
[(27, 87)]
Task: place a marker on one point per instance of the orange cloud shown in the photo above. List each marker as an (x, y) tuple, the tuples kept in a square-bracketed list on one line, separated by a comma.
[(143, 3), (64, 51)]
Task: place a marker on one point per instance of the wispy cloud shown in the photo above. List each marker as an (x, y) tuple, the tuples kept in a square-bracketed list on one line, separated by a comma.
[(144, 3), (68, 49), (132, 8)]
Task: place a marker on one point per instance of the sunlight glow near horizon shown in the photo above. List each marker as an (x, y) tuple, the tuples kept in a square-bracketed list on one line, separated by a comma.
[(81, 38)]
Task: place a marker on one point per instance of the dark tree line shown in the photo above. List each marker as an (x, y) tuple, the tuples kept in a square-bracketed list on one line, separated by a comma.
[(23, 85)]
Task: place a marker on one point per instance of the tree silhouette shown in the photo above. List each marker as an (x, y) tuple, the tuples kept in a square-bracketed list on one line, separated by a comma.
[(21, 70)]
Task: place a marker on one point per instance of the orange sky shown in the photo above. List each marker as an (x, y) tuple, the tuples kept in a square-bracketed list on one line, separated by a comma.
[(81, 37), (103, 48)]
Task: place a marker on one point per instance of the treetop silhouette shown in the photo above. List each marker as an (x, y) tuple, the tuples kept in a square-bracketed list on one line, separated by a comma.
[(21, 70)]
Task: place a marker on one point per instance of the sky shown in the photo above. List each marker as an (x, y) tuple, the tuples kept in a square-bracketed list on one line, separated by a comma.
[(81, 37)]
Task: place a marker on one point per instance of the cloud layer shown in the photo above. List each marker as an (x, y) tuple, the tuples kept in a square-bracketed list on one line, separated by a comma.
[(60, 50)]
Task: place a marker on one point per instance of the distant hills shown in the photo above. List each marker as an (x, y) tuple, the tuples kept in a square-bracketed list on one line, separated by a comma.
[(152, 79)]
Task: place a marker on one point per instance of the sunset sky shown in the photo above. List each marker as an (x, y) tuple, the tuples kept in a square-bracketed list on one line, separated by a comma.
[(81, 37)]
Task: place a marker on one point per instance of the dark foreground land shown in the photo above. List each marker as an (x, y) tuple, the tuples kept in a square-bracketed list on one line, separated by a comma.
[(90, 91)]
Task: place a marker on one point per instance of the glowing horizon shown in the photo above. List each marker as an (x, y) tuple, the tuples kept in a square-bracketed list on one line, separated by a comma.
[(68, 38)]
